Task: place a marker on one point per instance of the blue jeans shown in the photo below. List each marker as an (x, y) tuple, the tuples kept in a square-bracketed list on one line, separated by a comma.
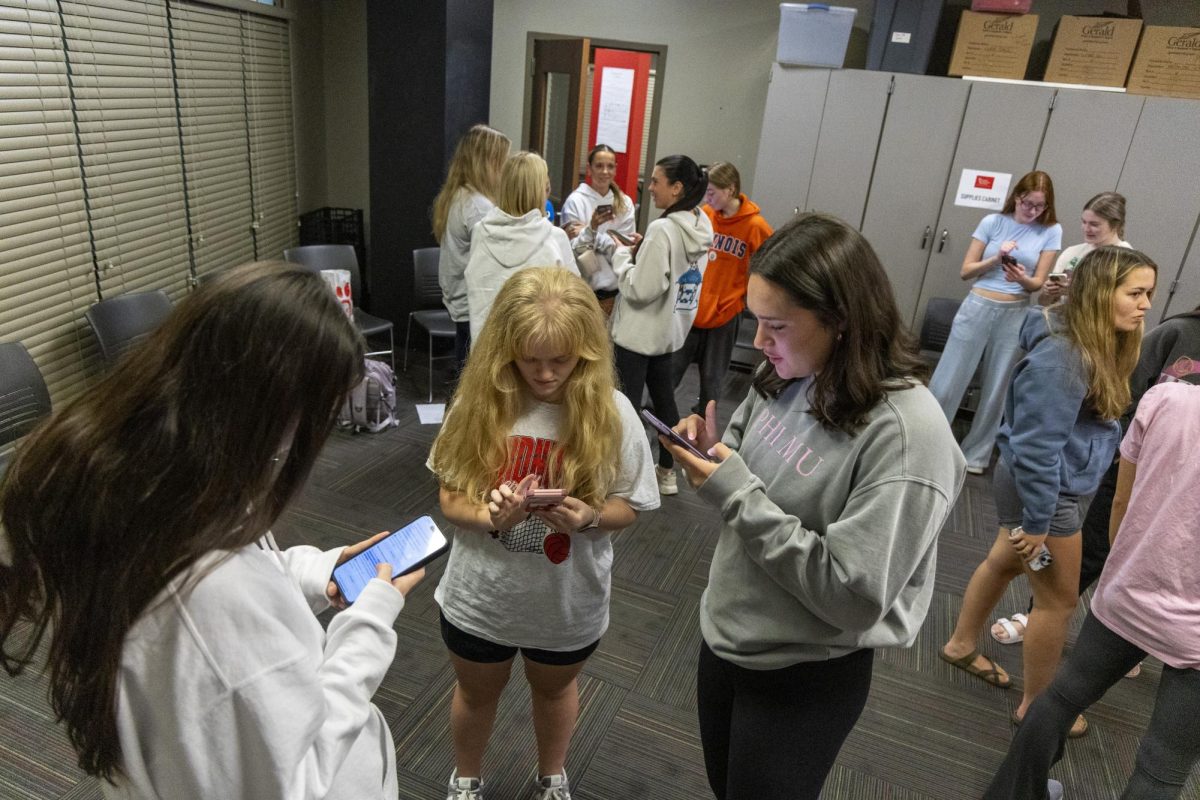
[(1167, 752), (986, 331)]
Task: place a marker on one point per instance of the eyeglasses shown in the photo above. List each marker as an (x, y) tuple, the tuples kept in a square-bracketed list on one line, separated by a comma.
[(1028, 206)]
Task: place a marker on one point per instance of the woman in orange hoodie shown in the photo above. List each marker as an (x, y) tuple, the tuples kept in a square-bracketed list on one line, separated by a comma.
[(738, 230)]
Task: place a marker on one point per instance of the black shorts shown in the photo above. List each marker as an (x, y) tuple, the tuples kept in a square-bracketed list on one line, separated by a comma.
[(470, 647)]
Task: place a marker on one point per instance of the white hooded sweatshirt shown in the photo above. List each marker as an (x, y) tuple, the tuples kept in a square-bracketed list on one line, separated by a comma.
[(231, 688), (580, 206), (661, 289), (503, 244)]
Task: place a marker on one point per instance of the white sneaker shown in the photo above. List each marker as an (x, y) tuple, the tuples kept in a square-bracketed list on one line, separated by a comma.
[(667, 482), (1054, 789), (464, 788), (553, 787)]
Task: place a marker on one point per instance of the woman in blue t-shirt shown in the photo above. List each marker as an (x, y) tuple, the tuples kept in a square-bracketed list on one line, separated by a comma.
[(1009, 257)]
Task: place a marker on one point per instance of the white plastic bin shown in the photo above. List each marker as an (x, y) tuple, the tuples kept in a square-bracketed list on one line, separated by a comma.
[(814, 34)]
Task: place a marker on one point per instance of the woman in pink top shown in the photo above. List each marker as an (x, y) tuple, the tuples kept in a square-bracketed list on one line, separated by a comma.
[(1148, 602)]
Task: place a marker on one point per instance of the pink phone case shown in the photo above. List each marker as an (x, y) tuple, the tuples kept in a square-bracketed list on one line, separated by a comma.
[(544, 498)]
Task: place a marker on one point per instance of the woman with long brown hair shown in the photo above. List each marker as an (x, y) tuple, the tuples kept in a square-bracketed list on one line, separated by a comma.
[(832, 482), (184, 654), (1059, 434)]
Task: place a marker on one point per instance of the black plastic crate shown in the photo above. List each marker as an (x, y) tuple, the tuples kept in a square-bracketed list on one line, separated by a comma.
[(337, 226)]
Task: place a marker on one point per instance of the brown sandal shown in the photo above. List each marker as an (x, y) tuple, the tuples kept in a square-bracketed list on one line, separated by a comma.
[(1079, 727), (966, 664)]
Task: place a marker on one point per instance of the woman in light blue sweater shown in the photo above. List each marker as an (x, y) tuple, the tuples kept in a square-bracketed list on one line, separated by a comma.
[(832, 481)]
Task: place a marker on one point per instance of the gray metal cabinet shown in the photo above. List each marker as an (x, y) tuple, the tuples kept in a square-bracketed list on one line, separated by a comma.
[(1182, 294), (1084, 149), (911, 170), (846, 145), (1001, 131), (1159, 183), (788, 147)]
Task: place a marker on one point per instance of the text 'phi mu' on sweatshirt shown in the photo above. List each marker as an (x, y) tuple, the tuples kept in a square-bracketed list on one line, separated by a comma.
[(829, 541), (502, 245), (1051, 439), (660, 288)]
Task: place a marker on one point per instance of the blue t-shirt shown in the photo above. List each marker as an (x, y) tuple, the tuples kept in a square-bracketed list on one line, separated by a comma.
[(996, 229)]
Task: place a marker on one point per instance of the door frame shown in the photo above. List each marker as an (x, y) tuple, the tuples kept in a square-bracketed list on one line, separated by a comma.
[(659, 51)]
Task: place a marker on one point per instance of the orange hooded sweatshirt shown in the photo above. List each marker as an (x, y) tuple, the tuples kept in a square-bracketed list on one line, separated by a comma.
[(723, 292)]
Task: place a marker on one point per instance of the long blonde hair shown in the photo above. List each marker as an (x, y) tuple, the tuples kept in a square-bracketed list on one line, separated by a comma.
[(1109, 355), (523, 183), (536, 306), (476, 166)]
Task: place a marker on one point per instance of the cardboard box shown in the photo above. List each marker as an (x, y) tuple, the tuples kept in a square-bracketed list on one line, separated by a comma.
[(993, 45), (1093, 50), (1167, 63)]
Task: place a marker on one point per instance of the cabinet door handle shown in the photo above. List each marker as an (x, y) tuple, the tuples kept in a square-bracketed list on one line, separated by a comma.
[(925, 236), (942, 241)]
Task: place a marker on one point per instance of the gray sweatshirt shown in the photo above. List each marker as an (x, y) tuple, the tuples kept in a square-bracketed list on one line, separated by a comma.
[(466, 211), (660, 289), (829, 541)]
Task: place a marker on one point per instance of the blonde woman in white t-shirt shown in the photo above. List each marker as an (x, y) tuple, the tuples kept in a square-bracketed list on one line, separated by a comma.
[(1103, 223)]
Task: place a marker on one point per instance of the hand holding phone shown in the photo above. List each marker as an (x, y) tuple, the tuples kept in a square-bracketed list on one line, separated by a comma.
[(622, 238), (1058, 278), (602, 214), (674, 437), (404, 551), (543, 498)]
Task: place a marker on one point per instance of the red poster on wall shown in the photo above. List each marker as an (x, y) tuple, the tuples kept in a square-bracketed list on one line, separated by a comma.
[(620, 81)]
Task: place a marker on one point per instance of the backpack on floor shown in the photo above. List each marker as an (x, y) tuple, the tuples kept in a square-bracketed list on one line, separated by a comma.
[(371, 406)]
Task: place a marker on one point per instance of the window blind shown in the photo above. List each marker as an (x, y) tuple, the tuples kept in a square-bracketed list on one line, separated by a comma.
[(213, 124), (119, 52), (46, 276), (272, 152)]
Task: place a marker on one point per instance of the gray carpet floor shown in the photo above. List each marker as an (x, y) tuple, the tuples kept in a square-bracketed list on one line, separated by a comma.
[(929, 732)]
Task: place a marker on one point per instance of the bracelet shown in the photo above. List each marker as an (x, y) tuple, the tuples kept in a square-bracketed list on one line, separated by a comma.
[(595, 523)]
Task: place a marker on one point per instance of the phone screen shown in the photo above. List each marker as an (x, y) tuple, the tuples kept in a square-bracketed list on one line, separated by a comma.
[(407, 549), (662, 428)]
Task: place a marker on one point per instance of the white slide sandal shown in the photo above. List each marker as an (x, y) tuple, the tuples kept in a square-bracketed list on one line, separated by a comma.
[(1013, 636)]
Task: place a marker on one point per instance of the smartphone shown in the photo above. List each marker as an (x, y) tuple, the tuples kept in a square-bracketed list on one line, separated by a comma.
[(662, 428), (622, 238), (1005, 258), (544, 498), (1057, 277), (407, 549), (606, 209)]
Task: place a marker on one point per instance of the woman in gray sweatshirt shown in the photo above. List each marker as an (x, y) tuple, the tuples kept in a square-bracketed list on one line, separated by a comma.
[(832, 481)]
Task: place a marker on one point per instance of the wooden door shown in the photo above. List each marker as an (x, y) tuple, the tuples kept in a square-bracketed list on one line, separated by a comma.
[(556, 109)]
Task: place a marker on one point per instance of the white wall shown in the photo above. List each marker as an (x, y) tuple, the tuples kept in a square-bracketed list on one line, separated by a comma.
[(719, 55)]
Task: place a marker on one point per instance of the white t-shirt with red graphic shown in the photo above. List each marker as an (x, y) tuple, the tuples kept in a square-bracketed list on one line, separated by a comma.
[(533, 587)]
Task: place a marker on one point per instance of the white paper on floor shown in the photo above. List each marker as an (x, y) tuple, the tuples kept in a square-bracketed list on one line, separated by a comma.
[(431, 413)]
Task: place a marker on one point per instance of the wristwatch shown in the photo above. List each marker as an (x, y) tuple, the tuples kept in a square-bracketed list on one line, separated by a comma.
[(595, 523)]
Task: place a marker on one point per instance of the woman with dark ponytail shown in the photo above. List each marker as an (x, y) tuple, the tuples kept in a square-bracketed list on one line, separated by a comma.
[(659, 283)]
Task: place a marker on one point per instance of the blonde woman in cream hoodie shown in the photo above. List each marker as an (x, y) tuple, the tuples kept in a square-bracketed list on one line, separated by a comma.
[(659, 284), (514, 235)]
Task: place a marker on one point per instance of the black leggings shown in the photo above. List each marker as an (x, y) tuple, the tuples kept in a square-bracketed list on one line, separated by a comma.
[(638, 372), (776, 733)]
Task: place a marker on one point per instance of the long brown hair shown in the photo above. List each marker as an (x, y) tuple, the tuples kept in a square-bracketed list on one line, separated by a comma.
[(1109, 355), (828, 268), (1036, 181), (173, 455)]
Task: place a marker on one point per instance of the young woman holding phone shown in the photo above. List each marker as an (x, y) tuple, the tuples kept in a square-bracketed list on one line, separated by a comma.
[(184, 654), (1009, 257), (536, 408), (659, 280), (591, 214), (832, 482), (1103, 224), (1059, 434)]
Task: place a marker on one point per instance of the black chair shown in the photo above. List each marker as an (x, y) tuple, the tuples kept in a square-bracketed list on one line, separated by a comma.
[(430, 314), (746, 357), (342, 256), (122, 321), (24, 399)]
